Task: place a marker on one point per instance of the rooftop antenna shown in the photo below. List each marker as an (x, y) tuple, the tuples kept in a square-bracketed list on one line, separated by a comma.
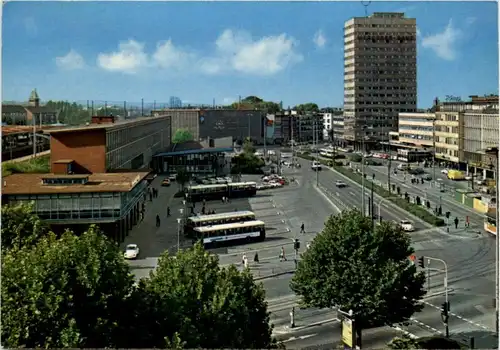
[(366, 3)]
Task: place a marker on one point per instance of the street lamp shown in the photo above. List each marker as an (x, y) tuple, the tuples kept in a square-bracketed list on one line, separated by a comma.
[(178, 233), (364, 127), (433, 119)]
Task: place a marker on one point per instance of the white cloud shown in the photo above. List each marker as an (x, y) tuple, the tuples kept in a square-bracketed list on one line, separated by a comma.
[(72, 60), (418, 32), (443, 43), (237, 51), (234, 51), (167, 56), (129, 59), (319, 39)]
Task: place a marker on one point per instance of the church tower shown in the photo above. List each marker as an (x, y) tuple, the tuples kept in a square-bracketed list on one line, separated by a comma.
[(34, 100)]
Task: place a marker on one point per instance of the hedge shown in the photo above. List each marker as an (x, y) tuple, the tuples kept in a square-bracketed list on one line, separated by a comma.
[(412, 208)]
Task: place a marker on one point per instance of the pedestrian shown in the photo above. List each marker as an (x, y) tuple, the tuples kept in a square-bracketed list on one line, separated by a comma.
[(157, 220), (256, 257), (168, 211), (223, 199), (302, 230), (204, 201), (456, 222), (282, 255), (203, 210)]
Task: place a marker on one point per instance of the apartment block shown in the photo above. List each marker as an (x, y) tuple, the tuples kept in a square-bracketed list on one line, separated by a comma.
[(380, 75)]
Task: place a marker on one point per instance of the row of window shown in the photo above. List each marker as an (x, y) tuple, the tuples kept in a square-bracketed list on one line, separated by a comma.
[(120, 137)]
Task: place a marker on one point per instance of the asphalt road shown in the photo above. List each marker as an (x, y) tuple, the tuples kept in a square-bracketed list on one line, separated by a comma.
[(432, 193), (470, 258)]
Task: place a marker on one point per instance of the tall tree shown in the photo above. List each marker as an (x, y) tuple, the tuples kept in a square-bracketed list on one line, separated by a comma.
[(182, 178), (182, 135), (20, 227), (67, 292), (190, 298), (352, 267)]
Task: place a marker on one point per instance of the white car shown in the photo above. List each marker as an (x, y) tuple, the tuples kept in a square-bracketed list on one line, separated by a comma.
[(131, 251), (407, 226), (444, 171), (340, 184)]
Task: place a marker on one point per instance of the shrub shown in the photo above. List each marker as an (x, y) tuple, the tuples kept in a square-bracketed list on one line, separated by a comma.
[(34, 165), (355, 158)]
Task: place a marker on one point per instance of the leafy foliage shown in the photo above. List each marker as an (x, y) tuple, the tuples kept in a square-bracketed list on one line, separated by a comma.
[(20, 228), (67, 292), (254, 102), (190, 300), (182, 177), (350, 267), (37, 165), (307, 107), (182, 135), (403, 342), (70, 113), (247, 162)]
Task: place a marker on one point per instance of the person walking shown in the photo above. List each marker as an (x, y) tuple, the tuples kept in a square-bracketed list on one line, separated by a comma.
[(168, 211), (456, 222), (302, 228), (157, 220), (282, 255)]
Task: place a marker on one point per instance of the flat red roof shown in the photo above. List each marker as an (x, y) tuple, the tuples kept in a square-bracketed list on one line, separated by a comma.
[(20, 129)]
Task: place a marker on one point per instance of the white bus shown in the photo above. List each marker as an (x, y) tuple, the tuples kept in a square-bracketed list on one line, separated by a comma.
[(326, 152), (216, 219), (218, 234)]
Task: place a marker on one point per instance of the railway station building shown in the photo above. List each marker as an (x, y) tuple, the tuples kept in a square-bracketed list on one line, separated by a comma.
[(99, 175)]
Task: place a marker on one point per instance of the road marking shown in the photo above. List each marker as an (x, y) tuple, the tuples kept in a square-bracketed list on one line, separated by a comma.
[(328, 199), (352, 194), (302, 337), (287, 329), (481, 309), (426, 326), (460, 317)]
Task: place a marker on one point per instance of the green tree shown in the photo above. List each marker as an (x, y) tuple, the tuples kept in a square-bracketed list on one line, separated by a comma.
[(182, 135), (248, 147), (307, 107), (182, 178), (67, 292), (20, 227), (353, 267), (190, 300)]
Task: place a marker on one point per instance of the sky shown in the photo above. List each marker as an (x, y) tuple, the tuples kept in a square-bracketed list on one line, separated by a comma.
[(201, 51)]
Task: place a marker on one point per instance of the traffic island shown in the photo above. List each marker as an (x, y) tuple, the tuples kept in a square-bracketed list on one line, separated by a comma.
[(401, 202)]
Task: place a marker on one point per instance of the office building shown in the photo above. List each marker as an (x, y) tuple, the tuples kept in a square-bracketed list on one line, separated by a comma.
[(416, 129), (333, 126), (107, 144), (380, 75), (181, 118), (175, 102)]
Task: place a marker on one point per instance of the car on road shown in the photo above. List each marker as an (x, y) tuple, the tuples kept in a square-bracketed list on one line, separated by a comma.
[(427, 177), (444, 171), (165, 182), (340, 184), (316, 166), (131, 251), (172, 177), (406, 226)]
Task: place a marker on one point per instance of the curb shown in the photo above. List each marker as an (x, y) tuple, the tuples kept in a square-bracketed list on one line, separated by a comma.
[(296, 329), (274, 275)]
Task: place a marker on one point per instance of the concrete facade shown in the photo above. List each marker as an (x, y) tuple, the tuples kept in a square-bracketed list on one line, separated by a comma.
[(182, 118), (380, 75)]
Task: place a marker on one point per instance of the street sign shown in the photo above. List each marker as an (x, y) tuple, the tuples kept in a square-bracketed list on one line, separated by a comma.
[(347, 334)]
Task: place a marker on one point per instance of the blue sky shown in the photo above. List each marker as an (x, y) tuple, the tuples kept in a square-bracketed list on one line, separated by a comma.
[(198, 51)]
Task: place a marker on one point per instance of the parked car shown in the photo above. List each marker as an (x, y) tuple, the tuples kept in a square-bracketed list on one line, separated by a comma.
[(131, 251), (165, 182)]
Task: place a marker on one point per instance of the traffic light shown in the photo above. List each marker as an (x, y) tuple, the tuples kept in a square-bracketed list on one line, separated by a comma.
[(445, 308), (296, 244), (421, 262)]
